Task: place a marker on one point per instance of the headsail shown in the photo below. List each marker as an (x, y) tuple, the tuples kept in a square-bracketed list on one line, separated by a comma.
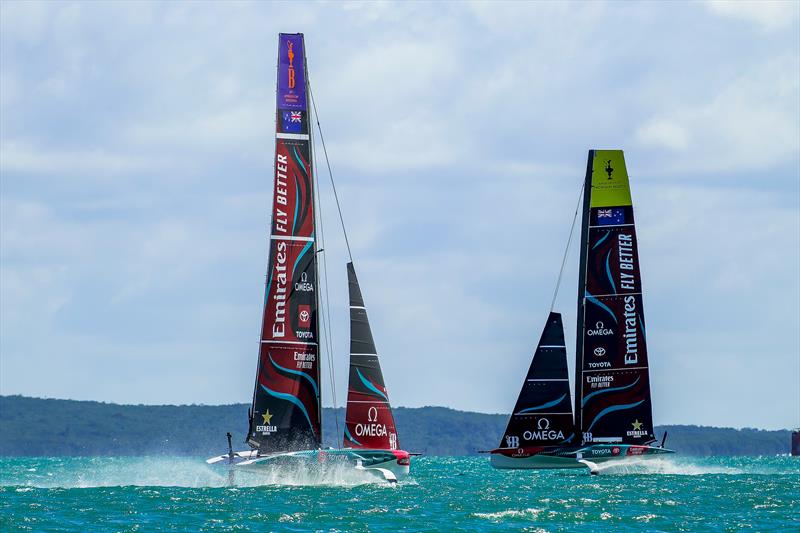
[(612, 385), (285, 414), (543, 413), (368, 421)]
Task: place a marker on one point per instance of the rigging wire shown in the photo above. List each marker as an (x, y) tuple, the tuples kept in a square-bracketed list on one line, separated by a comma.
[(330, 172), (566, 249), (326, 315)]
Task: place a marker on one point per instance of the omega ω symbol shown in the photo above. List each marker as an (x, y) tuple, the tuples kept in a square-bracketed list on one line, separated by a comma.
[(543, 424), (372, 414)]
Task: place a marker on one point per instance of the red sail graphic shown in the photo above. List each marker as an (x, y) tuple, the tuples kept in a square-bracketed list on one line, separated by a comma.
[(285, 414), (368, 422)]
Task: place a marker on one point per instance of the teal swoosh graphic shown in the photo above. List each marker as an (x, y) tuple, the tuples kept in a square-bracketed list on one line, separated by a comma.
[(296, 203), (301, 254), (349, 436), (604, 237), (601, 305), (601, 391), (611, 409), (292, 399), (298, 373), (370, 386), (608, 273), (544, 405)]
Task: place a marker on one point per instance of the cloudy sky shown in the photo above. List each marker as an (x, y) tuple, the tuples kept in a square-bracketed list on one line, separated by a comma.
[(136, 154)]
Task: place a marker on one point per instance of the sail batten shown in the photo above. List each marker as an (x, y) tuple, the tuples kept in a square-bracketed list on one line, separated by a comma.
[(285, 414), (612, 388)]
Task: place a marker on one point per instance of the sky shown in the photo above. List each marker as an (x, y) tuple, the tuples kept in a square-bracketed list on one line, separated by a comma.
[(136, 161)]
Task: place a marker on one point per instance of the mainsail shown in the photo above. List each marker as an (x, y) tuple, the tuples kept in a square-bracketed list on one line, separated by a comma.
[(368, 421), (543, 413), (612, 386), (285, 414)]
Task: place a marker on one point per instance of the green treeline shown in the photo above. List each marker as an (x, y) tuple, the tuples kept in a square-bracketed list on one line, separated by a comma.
[(35, 426)]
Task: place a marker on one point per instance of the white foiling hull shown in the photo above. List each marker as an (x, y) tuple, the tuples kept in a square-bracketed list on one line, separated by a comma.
[(391, 465), (572, 457)]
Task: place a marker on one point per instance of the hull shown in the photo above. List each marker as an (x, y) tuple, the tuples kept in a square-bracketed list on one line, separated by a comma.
[(391, 465), (506, 458)]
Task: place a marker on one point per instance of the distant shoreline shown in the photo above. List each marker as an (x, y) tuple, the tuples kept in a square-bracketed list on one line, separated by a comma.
[(44, 426)]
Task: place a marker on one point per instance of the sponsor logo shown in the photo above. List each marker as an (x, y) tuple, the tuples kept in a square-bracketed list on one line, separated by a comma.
[(631, 331), (626, 279), (304, 285), (600, 329), (601, 451), (599, 382), (636, 450), (279, 324), (601, 364), (372, 428), (304, 316), (393, 446), (304, 360), (610, 217), (281, 194), (609, 170), (512, 441), (599, 351), (587, 436), (265, 428), (543, 432), (615, 450), (637, 430)]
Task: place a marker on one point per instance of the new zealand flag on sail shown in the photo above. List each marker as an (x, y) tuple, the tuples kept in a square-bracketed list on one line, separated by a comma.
[(292, 121), (610, 216)]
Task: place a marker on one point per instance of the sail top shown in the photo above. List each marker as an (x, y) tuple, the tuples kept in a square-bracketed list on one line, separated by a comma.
[(369, 422), (612, 386)]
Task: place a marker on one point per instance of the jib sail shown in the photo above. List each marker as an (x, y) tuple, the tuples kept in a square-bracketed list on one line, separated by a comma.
[(543, 413), (368, 421), (612, 386), (285, 414)]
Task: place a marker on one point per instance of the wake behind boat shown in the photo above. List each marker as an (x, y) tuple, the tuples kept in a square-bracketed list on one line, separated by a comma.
[(285, 419), (613, 415)]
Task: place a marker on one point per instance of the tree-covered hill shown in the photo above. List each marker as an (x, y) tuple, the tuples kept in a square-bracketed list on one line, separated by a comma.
[(36, 426)]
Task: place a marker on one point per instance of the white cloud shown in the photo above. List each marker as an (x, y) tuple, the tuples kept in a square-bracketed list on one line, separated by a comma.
[(767, 14)]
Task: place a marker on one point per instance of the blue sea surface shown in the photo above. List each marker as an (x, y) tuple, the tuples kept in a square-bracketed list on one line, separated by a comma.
[(443, 494)]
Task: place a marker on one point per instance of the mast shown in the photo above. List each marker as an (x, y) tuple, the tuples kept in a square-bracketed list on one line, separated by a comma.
[(369, 422), (612, 383), (285, 414), (542, 415)]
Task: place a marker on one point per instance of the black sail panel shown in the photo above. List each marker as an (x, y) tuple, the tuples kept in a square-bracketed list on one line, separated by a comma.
[(285, 414), (369, 422), (612, 391), (542, 415)]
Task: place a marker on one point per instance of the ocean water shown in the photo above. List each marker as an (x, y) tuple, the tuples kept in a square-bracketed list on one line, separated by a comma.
[(443, 494)]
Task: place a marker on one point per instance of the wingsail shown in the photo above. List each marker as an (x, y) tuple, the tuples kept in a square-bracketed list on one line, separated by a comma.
[(285, 414), (612, 383)]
